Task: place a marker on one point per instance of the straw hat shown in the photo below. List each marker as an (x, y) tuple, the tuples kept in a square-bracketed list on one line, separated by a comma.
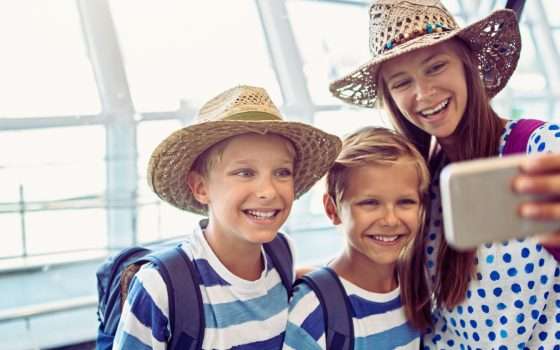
[(400, 26), (240, 110)]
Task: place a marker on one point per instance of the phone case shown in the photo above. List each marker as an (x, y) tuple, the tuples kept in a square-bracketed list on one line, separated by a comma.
[(479, 205)]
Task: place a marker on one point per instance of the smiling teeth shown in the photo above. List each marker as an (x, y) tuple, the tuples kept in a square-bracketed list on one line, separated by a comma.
[(262, 214), (386, 238), (436, 109)]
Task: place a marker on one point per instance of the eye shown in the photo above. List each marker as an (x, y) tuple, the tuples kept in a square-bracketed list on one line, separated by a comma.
[(436, 67), (407, 202), (368, 202), (284, 172), (400, 84), (246, 172)]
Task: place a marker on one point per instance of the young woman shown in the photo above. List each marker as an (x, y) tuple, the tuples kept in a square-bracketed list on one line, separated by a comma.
[(436, 80)]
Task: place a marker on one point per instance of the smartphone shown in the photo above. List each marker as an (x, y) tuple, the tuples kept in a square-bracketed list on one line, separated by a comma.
[(479, 205)]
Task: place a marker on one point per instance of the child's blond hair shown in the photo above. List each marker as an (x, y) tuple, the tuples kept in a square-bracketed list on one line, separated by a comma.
[(381, 146), (377, 146)]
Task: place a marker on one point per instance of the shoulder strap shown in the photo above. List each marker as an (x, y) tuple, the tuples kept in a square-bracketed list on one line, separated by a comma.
[(519, 137), (186, 314), (279, 252), (339, 328)]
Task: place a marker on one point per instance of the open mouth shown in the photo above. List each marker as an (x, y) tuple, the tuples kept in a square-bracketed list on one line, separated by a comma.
[(386, 239), (262, 215), (428, 112)]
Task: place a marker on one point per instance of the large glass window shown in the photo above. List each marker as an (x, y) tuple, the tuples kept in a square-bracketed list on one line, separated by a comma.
[(45, 70), (45, 174), (181, 53)]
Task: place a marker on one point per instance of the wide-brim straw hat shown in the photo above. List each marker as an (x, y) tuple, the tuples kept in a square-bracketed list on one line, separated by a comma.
[(237, 111), (398, 26)]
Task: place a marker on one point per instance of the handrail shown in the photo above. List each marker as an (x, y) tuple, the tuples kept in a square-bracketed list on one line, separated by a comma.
[(23, 312)]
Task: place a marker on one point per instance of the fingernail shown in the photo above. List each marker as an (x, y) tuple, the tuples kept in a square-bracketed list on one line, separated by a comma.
[(529, 211)]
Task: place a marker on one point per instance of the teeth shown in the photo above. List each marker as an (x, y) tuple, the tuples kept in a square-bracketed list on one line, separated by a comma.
[(261, 214), (436, 109), (386, 238)]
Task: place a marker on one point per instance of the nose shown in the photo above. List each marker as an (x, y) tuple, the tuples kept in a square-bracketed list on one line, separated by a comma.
[(390, 217), (424, 89), (266, 188)]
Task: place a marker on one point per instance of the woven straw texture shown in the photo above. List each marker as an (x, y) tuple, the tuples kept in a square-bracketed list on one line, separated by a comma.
[(237, 111), (495, 42)]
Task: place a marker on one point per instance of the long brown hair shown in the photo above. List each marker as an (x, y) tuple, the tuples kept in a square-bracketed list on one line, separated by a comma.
[(478, 133), (381, 146)]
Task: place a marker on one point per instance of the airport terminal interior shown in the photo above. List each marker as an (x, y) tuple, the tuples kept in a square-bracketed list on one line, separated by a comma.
[(89, 88)]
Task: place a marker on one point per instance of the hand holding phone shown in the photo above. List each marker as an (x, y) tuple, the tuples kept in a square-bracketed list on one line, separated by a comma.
[(479, 205)]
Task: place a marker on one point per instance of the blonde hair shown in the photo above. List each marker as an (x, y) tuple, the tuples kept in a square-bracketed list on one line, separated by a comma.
[(373, 145), (381, 146), (208, 159)]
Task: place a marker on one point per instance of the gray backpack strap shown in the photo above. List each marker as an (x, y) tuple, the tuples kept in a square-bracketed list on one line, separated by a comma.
[(339, 329), (279, 252), (186, 314)]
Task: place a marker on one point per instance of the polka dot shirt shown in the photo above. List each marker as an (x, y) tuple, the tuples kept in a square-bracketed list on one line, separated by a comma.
[(513, 302)]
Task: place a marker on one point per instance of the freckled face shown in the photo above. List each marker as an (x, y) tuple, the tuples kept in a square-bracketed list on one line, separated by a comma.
[(429, 88)]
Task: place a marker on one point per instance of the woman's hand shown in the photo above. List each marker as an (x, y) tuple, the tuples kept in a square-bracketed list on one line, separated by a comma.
[(541, 176)]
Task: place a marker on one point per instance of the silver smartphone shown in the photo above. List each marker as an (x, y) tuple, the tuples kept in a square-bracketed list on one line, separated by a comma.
[(479, 205)]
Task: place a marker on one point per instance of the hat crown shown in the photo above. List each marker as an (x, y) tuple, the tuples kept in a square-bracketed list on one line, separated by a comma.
[(393, 21), (235, 103)]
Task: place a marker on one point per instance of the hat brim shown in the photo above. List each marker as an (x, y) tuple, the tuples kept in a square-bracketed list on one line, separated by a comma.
[(494, 40), (172, 160)]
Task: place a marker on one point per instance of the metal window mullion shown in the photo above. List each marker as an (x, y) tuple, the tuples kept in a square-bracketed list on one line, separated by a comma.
[(288, 66), (117, 106)]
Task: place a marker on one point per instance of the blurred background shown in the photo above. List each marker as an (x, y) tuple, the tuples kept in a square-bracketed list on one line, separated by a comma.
[(88, 88)]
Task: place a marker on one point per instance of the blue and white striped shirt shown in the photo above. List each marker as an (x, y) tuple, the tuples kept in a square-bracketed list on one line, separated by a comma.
[(379, 320), (239, 314)]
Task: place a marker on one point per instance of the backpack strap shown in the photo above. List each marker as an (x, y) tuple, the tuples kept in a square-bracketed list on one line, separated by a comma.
[(518, 139), (186, 316), (517, 143), (339, 328), (279, 252)]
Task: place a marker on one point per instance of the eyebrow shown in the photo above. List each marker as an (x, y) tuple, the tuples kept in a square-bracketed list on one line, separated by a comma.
[(424, 61)]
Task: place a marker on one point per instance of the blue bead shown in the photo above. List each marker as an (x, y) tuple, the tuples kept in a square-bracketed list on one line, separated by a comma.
[(497, 291), (553, 127), (516, 288), (494, 276), (512, 272), (507, 257), (525, 252)]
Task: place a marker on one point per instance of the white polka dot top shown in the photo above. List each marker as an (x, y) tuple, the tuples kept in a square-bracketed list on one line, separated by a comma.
[(513, 302)]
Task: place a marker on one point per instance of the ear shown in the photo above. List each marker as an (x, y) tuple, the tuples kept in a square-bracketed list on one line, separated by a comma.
[(197, 185), (330, 209)]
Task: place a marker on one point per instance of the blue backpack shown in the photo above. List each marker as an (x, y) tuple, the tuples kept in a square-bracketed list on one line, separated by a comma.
[(339, 329), (183, 288)]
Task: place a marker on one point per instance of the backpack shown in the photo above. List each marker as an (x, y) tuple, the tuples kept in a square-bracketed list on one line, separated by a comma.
[(182, 281), (339, 329)]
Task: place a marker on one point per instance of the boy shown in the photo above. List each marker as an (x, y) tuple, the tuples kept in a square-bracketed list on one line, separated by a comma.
[(242, 165), (376, 194)]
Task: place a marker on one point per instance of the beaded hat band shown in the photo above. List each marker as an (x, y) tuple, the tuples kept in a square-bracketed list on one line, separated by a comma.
[(398, 26)]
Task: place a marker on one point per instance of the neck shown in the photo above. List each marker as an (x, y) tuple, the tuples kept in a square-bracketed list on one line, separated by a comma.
[(241, 258), (365, 273)]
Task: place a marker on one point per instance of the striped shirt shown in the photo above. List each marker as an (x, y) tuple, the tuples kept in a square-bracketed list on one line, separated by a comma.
[(379, 320), (239, 314)]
